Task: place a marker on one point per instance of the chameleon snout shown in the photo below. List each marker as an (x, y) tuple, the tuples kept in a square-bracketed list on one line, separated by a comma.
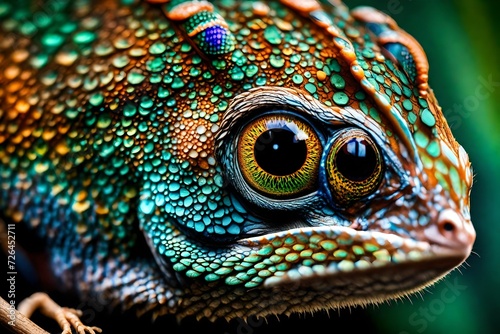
[(453, 232)]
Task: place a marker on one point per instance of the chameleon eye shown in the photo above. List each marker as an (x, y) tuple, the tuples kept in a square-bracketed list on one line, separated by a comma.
[(354, 166), (279, 156)]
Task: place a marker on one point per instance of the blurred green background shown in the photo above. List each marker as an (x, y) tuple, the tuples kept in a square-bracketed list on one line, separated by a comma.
[(462, 41)]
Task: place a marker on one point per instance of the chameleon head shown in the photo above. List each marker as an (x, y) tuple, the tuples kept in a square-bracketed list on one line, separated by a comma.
[(281, 156), (337, 182)]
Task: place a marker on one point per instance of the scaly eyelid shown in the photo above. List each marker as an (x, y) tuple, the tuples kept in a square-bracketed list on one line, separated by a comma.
[(314, 111)]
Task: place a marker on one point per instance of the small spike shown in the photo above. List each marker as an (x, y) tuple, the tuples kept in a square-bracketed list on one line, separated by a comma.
[(185, 10), (304, 6)]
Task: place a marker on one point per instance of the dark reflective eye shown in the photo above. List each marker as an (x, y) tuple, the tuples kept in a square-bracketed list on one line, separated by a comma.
[(279, 152), (354, 166), (356, 159), (278, 155)]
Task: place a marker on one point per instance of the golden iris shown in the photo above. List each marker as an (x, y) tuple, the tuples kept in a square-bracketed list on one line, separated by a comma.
[(354, 166), (279, 155)]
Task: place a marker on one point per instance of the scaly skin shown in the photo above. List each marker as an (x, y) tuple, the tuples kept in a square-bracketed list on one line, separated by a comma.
[(133, 144)]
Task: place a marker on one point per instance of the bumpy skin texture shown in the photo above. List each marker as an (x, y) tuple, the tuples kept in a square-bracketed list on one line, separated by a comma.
[(128, 145)]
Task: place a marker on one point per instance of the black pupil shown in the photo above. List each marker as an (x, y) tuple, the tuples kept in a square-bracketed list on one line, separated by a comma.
[(278, 152), (356, 159)]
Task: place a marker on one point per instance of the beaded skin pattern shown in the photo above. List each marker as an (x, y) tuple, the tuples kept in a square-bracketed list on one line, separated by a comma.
[(228, 158)]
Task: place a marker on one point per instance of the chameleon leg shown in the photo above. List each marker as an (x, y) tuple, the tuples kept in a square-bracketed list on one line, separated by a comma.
[(65, 317)]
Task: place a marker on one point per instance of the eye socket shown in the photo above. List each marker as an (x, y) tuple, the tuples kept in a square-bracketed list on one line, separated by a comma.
[(354, 166), (403, 57), (279, 155)]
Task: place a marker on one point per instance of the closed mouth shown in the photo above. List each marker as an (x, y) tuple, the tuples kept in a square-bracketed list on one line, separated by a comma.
[(310, 256)]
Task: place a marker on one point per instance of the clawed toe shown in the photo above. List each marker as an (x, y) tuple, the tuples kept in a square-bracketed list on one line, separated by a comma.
[(67, 318)]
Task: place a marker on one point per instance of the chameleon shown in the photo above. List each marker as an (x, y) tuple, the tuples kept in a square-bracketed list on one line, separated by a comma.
[(228, 158)]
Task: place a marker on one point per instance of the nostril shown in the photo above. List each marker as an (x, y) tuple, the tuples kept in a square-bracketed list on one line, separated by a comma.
[(449, 223), (448, 226), (451, 230)]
